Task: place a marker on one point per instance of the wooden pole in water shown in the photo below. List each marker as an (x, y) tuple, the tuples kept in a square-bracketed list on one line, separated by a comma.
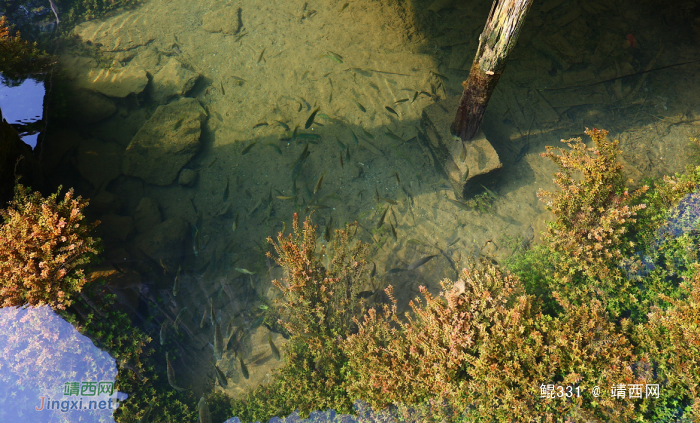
[(495, 43)]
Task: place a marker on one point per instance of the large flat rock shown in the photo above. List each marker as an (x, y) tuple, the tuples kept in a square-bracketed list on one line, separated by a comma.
[(165, 143), (118, 33), (468, 165)]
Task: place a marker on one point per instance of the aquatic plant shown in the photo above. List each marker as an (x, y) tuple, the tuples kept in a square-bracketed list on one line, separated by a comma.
[(483, 346), (593, 211), (95, 315), (671, 340), (319, 287), (44, 250), (319, 304), (20, 58)]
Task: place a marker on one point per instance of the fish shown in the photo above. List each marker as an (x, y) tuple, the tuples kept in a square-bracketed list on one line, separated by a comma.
[(273, 347), (204, 319), (163, 331), (246, 271), (238, 81), (390, 110), (317, 188), (522, 153), (221, 377), (323, 116), (244, 369), (178, 123), (333, 56), (381, 219), (218, 342), (304, 154), (347, 153), (226, 190), (490, 193), (370, 136), (359, 106), (212, 313), (341, 161), (418, 263), (176, 325), (393, 136), (398, 180), (400, 101), (374, 270), (354, 137), (283, 125), (310, 120), (195, 241), (306, 103), (459, 204), (340, 143), (286, 197), (441, 76), (203, 409), (257, 322), (258, 125), (261, 55), (415, 95), (247, 149), (234, 225), (388, 200), (221, 84), (393, 231), (176, 285), (171, 375)]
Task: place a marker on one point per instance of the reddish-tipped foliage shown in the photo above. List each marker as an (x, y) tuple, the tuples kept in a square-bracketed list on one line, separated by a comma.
[(44, 247), (485, 348), (592, 211), (671, 339)]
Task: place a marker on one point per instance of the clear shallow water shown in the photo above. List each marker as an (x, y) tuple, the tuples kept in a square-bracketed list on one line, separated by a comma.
[(265, 69)]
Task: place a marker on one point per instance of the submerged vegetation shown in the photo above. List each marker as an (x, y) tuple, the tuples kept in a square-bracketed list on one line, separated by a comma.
[(609, 300), (20, 58), (45, 248)]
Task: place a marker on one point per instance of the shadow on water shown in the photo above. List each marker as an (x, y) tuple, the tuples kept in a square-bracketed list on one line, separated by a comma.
[(368, 70)]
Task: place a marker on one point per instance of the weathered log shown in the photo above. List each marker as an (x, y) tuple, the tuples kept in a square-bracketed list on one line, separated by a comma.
[(495, 43)]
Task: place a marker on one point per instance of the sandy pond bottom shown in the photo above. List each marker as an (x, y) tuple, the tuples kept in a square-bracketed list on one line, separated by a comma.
[(259, 70)]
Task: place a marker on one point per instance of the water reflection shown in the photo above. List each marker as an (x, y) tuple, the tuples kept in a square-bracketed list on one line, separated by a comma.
[(52, 373), (23, 106)]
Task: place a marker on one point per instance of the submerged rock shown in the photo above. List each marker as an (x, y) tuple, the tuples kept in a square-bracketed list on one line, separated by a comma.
[(114, 82), (165, 243), (188, 178), (116, 227), (116, 33), (226, 20), (165, 143), (172, 80), (87, 107), (99, 162), (147, 215)]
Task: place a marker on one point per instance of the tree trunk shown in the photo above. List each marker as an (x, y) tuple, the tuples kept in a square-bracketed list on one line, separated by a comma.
[(495, 43)]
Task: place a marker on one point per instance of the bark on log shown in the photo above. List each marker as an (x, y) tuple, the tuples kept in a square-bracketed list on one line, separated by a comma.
[(495, 43)]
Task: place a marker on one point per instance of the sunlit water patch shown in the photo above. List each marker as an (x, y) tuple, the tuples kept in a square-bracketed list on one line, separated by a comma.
[(52, 373)]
